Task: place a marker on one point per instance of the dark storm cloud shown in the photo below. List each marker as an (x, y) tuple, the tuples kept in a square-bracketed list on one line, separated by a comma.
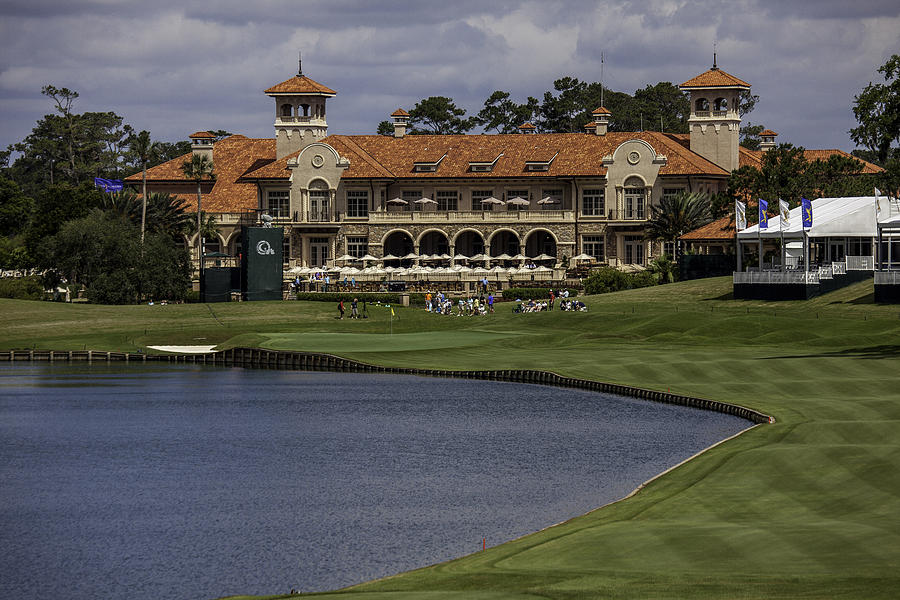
[(174, 67)]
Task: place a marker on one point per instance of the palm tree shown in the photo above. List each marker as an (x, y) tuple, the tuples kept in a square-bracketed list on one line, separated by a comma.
[(167, 214), (676, 215), (200, 167), (141, 146)]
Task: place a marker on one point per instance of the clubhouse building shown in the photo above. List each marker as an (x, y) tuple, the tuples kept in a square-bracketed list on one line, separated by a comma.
[(515, 195)]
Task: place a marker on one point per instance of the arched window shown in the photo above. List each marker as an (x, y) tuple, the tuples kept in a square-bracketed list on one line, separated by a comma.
[(635, 195), (319, 195), (720, 104), (305, 108), (701, 104), (286, 110)]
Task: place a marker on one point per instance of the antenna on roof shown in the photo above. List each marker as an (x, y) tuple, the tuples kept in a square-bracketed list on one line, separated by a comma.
[(714, 67), (601, 79), (299, 64)]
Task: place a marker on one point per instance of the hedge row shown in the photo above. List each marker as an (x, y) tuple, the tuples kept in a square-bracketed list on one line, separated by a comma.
[(530, 293)]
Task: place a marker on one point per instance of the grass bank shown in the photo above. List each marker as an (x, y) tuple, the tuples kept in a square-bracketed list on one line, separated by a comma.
[(804, 508)]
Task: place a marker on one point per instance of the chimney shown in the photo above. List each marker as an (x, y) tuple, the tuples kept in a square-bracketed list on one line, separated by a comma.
[(527, 128), (202, 144), (601, 120), (767, 140), (401, 119)]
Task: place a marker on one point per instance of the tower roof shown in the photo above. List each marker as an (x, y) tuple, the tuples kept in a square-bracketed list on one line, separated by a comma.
[(601, 111), (715, 78), (399, 113), (300, 84)]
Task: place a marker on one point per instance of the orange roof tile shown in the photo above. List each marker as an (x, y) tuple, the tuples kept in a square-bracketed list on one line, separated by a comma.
[(715, 78), (600, 111), (722, 229), (300, 84), (202, 134), (767, 133), (527, 126), (232, 158), (399, 113), (753, 158)]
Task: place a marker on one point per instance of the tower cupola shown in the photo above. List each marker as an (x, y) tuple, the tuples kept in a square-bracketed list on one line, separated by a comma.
[(299, 112), (715, 123)]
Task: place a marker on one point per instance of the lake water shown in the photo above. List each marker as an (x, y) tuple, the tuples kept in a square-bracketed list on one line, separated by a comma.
[(193, 482)]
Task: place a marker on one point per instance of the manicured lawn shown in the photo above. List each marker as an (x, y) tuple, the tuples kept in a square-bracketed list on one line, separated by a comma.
[(804, 508)]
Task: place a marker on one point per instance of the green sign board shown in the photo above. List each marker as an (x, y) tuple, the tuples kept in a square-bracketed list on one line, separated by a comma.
[(261, 263)]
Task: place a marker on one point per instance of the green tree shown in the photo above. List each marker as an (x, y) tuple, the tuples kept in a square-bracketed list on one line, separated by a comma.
[(15, 208), (676, 215), (877, 110), (839, 176), (55, 205), (439, 115), (143, 148), (167, 215), (198, 168), (385, 128), (663, 106), (750, 136), (103, 252), (502, 115), (783, 174), (166, 151)]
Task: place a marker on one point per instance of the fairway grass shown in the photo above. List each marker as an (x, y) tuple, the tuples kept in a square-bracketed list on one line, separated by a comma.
[(804, 508)]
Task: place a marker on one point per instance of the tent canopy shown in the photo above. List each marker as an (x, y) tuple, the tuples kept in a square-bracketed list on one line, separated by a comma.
[(832, 217)]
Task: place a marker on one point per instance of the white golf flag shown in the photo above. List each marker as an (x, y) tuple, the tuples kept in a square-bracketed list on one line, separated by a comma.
[(877, 200), (740, 215), (785, 212)]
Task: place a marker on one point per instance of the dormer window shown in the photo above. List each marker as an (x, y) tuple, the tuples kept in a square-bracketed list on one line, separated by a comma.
[(427, 166), (540, 165), (483, 166)]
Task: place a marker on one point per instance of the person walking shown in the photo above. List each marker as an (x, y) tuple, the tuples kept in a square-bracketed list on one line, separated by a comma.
[(354, 313), (490, 302), (341, 308)]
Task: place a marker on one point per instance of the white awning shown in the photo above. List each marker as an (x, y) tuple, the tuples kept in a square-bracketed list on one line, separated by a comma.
[(832, 217)]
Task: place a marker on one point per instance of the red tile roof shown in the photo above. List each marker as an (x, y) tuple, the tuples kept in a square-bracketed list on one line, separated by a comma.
[(600, 111), (715, 78), (723, 229), (767, 133), (753, 158), (202, 134), (300, 84), (232, 157), (399, 113)]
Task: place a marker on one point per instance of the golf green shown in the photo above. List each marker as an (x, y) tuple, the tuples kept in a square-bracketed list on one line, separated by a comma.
[(803, 508)]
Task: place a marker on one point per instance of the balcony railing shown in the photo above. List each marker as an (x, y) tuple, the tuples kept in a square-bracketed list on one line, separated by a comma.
[(860, 263), (777, 277), (887, 277), (300, 119), (472, 216), (627, 215)]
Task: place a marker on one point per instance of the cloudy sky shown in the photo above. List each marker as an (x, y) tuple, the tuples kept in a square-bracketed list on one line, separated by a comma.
[(175, 67)]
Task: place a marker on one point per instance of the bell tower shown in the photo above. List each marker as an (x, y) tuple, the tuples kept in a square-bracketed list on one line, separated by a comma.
[(299, 112), (715, 123)]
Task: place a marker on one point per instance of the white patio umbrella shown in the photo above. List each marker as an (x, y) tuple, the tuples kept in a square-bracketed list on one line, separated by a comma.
[(425, 201), (445, 257), (492, 200), (480, 257), (345, 258), (519, 257), (410, 256), (397, 201), (543, 257), (518, 201), (367, 257), (548, 200), (583, 256), (460, 257)]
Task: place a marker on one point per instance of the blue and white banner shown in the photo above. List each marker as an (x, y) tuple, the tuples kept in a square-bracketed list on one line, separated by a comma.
[(806, 211), (740, 215), (108, 185), (763, 214), (785, 213)]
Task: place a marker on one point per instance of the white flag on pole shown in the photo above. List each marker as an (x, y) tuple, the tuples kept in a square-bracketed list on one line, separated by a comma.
[(785, 212), (740, 215), (877, 201)]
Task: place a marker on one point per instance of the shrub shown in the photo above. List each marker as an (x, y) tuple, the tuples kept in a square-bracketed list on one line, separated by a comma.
[(21, 288), (609, 279), (533, 293)]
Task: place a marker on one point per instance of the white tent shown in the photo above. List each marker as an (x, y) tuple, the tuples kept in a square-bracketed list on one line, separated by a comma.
[(832, 217)]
